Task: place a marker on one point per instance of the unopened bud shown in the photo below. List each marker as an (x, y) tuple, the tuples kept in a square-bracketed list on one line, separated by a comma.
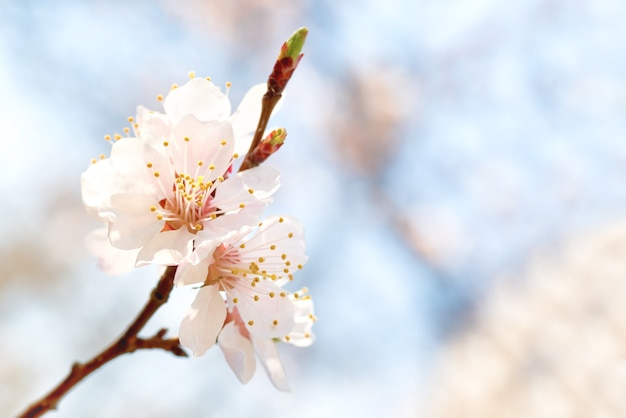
[(294, 44), (268, 146)]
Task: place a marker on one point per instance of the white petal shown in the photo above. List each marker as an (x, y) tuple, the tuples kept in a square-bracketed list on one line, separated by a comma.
[(166, 248), (188, 273), (270, 315), (238, 352), (97, 183), (153, 127), (203, 321), (301, 334), (280, 241), (210, 142), (268, 354), (132, 224), (198, 97), (263, 181), (111, 260)]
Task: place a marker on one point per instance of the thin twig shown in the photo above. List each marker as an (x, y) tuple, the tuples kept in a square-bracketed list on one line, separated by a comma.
[(128, 342)]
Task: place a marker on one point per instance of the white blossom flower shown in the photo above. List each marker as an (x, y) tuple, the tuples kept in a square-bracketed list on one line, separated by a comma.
[(239, 345), (245, 271), (169, 186)]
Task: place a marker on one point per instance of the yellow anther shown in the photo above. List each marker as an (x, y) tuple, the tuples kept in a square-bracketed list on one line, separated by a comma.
[(295, 295), (286, 270), (228, 84), (299, 266), (272, 294), (209, 184), (220, 178), (126, 130), (261, 259), (160, 217), (256, 297), (191, 74), (235, 300), (93, 161), (283, 256), (198, 227), (213, 216), (117, 137), (256, 279), (281, 220), (165, 143), (253, 284), (272, 247), (223, 142), (290, 277), (275, 322), (200, 163), (173, 86), (250, 191), (107, 137), (102, 156), (287, 338), (149, 165), (186, 139), (152, 208), (157, 174), (211, 167), (131, 119), (251, 322), (159, 97), (307, 335), (242, 205), (207, 78), (290, 235), (288, 263), (235, 155), (242, 246), (283, 294)]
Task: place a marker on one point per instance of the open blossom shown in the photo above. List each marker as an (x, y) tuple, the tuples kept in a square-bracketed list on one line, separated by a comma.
[(245, 272), (170, 185), (239, 345)]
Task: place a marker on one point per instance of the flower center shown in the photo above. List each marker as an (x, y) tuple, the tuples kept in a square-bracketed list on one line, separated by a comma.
[(190, 203)]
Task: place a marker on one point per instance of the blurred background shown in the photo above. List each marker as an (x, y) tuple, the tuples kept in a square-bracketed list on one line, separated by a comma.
[(458, 166)]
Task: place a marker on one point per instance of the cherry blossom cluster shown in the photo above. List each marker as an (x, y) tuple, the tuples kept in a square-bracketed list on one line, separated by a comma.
[(170, 194)]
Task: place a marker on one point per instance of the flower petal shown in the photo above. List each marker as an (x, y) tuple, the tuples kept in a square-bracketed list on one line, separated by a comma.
[(132, 224), (238, 352), (198, 97), (190, 273), (203, 321), (166, 248), (269, 314), (111, 260), (209, 142), (268, 354)]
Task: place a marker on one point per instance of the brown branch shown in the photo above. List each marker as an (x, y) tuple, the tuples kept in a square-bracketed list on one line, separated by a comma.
[(128, 342)]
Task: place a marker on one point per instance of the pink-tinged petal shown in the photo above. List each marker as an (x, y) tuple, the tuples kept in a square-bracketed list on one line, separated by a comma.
[(166, 248), (211, 143), (238, 352), (249, 187), (97, 185), (280, 242), (301, 334), (110, 259), (269, 314), (198, 97), (188, 273), (203, 321), (153, 127), (220, 227), (268, 354), (132, 224)]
